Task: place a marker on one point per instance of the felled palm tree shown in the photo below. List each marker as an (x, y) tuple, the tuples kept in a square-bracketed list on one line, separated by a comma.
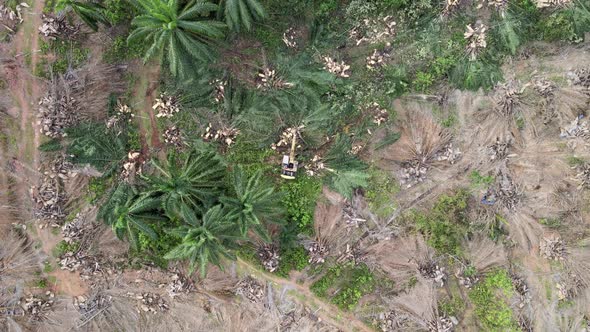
[(240, 13), (205, 241), (89, 12), (254, 204), (192, 183), (129, 213), (181, 36)]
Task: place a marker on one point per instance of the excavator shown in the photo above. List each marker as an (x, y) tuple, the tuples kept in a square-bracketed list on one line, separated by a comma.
[(289, 164)]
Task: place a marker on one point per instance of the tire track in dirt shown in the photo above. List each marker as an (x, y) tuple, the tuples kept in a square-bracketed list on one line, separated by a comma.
[(26, 90), (142, 100)]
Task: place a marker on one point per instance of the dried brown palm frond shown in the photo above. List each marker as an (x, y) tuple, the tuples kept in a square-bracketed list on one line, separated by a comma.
[(404, 259), (560, 104), (524, 230), (330, 230), (578, 260), (219, 282), (422, 139), (504, 192), (484, 254), (552, 3), (421, 305), (507, 98), (18, 260), (251, 289), (246, 317), (268, 254), (476, 37), (574, 323)]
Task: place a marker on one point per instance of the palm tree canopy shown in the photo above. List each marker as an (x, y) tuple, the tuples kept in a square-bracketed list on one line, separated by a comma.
[(192, 183), (240, 13), (181, 36), (254, 203), (205, 241), (128, 213)]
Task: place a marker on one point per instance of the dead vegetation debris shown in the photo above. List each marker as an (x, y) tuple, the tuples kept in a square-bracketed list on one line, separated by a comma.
[(583, 176), (378, 59), (430, 270), (58, 27), (225, 134), (166, 106), (580, 77), (251, 289), (552, 3), (522, 289), (179, 285), (339, 69), (553, 248), (132, 166), (37, 306), (150, 302), (89, 305), (476, 39), (56, 113), (123, 116), (578, 127), (290, 37), (318, 252), (50, 197), (448, 153), (173, 136), (569, 286), (268, 79), (373, 30), (393, 321), (11, 18), (504, 191), (286, 138), (218, 89), (499, 150), (73, 231), (422, 140), (268, 253), (507, 97)]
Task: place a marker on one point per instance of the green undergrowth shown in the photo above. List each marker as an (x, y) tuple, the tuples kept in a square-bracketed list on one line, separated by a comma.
[(63, 247), (446, 224), (491, 298), (299, 199), (294, 258), (345, 284), (380, 192), (64, 54)]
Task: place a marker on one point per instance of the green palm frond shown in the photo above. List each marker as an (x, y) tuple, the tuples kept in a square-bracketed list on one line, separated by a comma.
[(181, 37), (194, 181), (130, 213), (242, 13), (207, 243), (253, 203)]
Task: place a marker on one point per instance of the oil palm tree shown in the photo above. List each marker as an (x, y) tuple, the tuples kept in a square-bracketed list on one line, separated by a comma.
[(181, 36), (242, 13), (204, 241), (192, 183), (254, 204), (89, 12), (129, 213)]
